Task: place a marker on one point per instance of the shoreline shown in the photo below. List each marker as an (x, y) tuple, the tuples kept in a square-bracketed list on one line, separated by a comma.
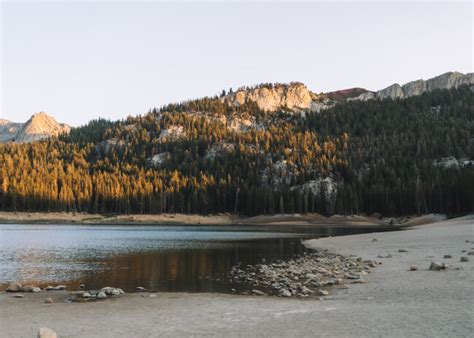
[(396, 302), (217, 219)]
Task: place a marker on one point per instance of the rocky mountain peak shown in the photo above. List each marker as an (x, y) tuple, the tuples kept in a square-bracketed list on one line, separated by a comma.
[(271, 97), (38, 127)]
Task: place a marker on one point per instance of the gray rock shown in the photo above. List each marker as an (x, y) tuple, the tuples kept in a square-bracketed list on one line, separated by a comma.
[(14, 287), (258, 292), (322, 293), (18, 295), (140, 289), (48, 300), (413, 268), (464, 259), (285, 293), (447, 256), (402, 250), (437, 266), (36, 290), (470, 253), (46, 332), (101, 295), (86, 295)]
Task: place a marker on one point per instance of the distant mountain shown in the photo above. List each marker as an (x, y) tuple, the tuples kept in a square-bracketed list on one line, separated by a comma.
[(38, 127)]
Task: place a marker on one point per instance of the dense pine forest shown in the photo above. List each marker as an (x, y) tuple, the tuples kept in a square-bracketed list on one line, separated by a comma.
[(393, 157)]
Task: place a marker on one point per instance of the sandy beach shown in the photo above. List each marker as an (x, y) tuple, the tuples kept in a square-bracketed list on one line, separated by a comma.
[(395, 302)]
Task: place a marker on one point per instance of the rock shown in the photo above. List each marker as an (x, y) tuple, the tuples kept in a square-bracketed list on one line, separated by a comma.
[(322, 293), (48, 300), (285, 293), (413, 268), (437, 266), (374, 239), (152, 295), (464, 259), (447, 256), (36, 290), (359, 281), (86, 295), (140, 289), (352, 276), (56, 288), (402, 250), (18, 295), (101, 295), (14, 287), (76, 293), (46, 332), (82, 286), (470, 253), (258, 292)]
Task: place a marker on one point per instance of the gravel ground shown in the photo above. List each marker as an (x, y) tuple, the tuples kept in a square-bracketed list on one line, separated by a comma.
[(396, 302)]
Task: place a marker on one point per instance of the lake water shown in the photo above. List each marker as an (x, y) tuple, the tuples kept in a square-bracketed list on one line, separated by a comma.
[(162, 258)]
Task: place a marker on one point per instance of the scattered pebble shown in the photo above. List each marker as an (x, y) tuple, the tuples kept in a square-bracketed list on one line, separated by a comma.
[(464, 259), (18, 295), (402, 250), (48, 300), (46, 332), (258, 292), (448, 256), (470, 253), (140, 289), (413, 268)]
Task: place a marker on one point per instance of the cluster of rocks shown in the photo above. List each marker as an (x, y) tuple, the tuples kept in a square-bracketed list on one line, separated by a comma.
[(314, 273), (18, 287), (82, 296)]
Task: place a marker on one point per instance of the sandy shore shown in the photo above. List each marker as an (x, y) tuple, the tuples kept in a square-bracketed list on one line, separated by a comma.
[(183, 219), (396, 302)]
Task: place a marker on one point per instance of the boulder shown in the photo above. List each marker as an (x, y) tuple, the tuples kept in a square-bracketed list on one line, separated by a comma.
[(14, 287), (437, 266), (101, 295), (46, 332)]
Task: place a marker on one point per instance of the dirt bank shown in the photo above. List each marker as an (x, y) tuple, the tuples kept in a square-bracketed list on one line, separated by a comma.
[(396, 302)]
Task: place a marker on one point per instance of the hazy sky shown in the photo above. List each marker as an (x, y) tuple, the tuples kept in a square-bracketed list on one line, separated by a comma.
[(82, 61)]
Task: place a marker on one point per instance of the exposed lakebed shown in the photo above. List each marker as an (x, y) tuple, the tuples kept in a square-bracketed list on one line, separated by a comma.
[(162, 258)]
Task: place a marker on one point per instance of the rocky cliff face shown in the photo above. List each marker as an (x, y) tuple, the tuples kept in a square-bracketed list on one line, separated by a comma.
[(38, 127), (444, 81), (294, 96)]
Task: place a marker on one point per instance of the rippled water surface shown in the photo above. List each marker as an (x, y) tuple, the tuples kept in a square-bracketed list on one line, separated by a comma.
[(166, 258)]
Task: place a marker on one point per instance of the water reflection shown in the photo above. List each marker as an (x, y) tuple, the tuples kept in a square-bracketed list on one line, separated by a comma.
[(165, 258)]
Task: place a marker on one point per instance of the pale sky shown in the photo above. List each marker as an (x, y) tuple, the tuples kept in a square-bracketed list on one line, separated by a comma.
[(79, 61)]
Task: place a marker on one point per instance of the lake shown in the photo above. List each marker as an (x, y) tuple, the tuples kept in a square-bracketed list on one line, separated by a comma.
[(161, 258)]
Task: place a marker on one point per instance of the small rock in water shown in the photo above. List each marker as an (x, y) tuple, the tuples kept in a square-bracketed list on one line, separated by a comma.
[(18, 295), (470, 253), (374, 239), (101, 295), (48, 300), (437, 266), (14, 287), (140, 289), (447, 256), (464, 259), (402, 250), (46, 332), (413, 268), (258, 292)]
